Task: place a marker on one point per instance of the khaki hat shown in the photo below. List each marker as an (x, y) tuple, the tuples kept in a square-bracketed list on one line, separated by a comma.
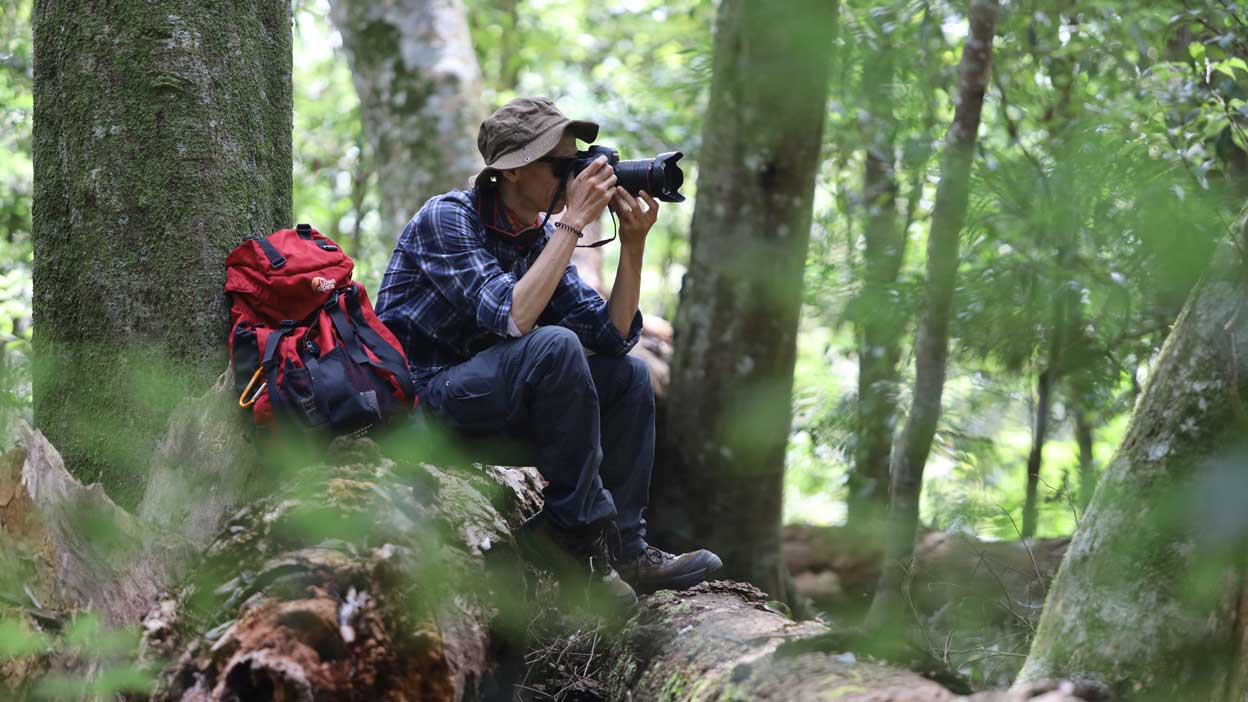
[(523, 131)]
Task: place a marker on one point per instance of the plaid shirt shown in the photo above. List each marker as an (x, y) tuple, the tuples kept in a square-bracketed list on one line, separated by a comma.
[(446, 293)]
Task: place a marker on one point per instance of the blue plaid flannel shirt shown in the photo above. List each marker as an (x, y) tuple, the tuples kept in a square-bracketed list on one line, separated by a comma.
[(446, 293)]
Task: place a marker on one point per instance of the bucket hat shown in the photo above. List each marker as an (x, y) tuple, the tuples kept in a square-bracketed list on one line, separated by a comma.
[(523, 131)]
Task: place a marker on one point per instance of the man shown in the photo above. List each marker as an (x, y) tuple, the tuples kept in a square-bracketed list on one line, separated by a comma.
[(493, 320)]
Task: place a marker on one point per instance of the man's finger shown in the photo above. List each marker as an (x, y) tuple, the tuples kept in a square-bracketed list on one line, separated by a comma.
[(593, 168), (621, 206), (605, 173), (652, 204), (628, 197)]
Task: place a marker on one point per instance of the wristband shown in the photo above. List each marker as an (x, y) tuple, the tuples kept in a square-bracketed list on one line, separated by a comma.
[(579, 234)]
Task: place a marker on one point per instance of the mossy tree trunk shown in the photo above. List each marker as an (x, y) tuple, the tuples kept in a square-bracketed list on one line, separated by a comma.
[(728, 420), (162, 137), (419, 84), (1148, 599), (932, 338)]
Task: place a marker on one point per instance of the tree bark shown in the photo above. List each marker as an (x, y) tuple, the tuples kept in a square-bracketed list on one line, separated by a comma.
[(1147, 601), (104, 557), (1035, 458), (932, 339), (728, 422), (876, 312), (160, 141), (419, 84), (360, 578)]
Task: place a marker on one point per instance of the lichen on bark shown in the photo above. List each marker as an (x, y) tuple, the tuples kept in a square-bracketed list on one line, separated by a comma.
[(160, 141)]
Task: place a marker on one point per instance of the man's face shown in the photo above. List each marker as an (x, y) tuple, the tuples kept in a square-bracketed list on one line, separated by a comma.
[(536, 183)]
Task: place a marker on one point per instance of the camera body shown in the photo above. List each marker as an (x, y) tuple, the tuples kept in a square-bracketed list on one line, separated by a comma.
[(658, 176)]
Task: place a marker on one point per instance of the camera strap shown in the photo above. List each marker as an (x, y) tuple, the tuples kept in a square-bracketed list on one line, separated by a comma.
[(527, 236)]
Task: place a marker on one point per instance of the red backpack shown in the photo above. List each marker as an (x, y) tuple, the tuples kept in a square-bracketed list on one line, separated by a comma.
[(307, 349)]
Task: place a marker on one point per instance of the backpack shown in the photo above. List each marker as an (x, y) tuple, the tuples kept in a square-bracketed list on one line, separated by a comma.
[(308, 352)]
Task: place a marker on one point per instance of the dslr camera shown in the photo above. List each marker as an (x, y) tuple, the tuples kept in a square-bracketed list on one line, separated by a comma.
[(659, 176)]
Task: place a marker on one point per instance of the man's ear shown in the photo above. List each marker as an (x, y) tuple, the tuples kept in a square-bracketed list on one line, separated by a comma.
[(510, 175)]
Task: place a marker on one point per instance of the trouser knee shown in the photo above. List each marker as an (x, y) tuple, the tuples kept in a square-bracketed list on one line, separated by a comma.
[(639, 383), (625, 380), (557, 361)]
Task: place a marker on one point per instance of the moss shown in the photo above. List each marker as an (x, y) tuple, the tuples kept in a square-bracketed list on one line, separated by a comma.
[(160, 142), (673, 689)]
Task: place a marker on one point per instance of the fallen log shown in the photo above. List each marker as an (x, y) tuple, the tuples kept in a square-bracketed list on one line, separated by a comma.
[(974, 603), (360, 578), (370, 575), (726, 641), (829, 563)]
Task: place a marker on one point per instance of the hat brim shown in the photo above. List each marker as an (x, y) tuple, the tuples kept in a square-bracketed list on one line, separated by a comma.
[(539, 147)]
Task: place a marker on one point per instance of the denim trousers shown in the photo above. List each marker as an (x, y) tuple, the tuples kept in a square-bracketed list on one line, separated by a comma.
[(586, 421)]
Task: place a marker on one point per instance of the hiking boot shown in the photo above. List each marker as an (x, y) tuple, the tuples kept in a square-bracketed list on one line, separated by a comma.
[(578, 557), (655, 569)]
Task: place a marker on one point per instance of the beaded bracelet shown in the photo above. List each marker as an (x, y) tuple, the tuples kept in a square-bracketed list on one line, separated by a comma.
[(579, 234)]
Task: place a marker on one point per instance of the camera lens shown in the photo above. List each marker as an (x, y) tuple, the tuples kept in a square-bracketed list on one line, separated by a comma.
[(659, 176)]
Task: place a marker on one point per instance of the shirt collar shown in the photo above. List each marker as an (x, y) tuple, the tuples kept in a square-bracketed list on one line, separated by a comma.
[(502, 223), (498, 214)]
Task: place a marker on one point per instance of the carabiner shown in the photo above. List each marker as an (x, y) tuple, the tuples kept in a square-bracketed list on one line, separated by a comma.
[(242, 399)]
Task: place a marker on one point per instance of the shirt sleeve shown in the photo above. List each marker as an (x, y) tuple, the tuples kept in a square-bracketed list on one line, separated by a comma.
[(579, 307), (450, 250)]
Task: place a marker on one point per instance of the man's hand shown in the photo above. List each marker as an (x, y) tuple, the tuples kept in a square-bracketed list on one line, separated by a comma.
[(635, 222), (589, 192)]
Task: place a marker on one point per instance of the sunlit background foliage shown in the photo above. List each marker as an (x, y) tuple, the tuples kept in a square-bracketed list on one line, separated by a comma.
[(1112, 153)]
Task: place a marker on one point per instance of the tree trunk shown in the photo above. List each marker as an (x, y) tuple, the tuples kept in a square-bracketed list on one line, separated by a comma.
[(876, 309), (1087, 461), (1148, 598), (721, 482), (1039, 435), (419, 84), (932, 339), (160, 141)]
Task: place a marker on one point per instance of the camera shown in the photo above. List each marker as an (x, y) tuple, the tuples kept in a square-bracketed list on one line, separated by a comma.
[(659, 176)]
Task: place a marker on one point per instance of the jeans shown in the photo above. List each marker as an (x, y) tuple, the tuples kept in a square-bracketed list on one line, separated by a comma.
[(588, 421)]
